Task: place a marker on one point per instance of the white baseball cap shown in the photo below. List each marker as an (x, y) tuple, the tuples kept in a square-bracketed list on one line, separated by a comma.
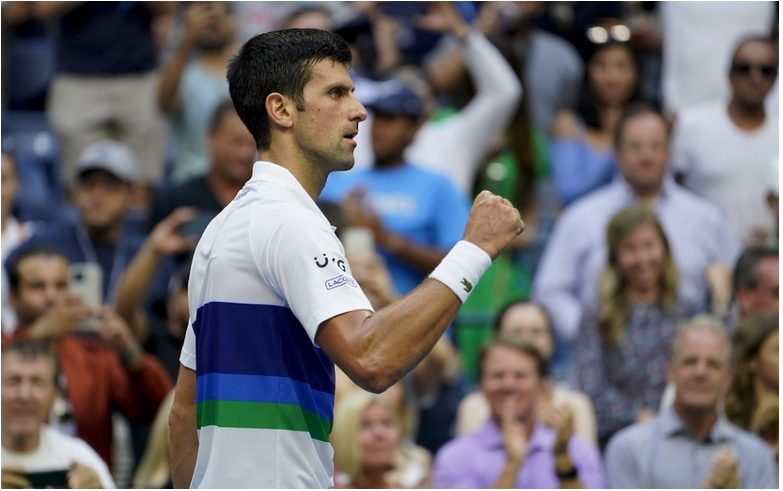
[(110, 156)]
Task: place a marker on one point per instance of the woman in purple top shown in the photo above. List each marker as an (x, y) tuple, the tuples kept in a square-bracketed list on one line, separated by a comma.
[(623, 347)]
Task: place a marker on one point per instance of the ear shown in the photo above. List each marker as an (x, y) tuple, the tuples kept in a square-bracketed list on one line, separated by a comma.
[(280, 109)]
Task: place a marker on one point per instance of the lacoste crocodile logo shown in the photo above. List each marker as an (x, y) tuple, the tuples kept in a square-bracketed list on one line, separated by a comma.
[(468, 285)]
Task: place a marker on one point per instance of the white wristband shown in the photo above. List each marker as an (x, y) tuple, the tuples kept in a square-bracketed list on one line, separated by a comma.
[(462, 268)]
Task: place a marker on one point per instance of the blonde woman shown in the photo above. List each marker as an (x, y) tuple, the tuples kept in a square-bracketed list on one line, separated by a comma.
[(369, 449), (623, 345)]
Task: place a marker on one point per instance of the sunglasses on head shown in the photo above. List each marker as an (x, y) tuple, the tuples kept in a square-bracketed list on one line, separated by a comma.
[(768, 70)]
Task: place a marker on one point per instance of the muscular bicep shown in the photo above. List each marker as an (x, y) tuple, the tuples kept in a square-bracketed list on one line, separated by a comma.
[(344, 338)]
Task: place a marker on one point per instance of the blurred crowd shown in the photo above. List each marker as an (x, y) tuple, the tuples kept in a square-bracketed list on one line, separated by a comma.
[(627, 339)]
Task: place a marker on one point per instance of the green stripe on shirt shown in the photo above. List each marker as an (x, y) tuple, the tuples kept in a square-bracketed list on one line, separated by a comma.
[(262, 415)]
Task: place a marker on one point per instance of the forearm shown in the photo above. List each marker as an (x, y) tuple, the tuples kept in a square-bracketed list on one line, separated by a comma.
[(563, 464), (170, 77), (182, 430), (508, 476), (135, 283)]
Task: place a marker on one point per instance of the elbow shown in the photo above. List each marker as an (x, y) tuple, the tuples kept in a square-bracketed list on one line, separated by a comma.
[(373, 376)]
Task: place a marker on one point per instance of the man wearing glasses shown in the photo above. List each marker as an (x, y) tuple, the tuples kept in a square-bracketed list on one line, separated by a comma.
[(723, 150)]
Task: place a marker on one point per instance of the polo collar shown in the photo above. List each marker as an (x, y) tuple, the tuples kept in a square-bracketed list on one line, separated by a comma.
[(672, 425), (280, 176), (541, 439)]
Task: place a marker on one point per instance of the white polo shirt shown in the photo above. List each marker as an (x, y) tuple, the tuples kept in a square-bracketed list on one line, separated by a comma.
[(266, 273)]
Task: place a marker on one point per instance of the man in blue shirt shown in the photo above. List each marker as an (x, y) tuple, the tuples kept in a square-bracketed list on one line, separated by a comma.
[(415, 215)]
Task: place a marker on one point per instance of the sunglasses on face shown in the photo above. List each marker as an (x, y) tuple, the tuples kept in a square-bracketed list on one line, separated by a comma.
[(768, 70)]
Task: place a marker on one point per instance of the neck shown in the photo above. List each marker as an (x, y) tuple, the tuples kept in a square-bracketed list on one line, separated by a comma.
[(387, 163), (216, 59), (647, 195), (642, 295), (108, 234), (224, 189), (372, 479), (609, 115), (21, 443), (699, 422), (746, 116), (311, 176)]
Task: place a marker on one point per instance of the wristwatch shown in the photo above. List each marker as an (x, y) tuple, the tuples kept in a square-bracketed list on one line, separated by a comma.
[(569, 474)]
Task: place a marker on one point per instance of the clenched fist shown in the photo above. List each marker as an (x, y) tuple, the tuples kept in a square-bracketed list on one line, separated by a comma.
[(493, 223)]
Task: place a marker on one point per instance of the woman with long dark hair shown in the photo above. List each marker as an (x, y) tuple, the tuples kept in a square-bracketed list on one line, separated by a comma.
[(581, 147)]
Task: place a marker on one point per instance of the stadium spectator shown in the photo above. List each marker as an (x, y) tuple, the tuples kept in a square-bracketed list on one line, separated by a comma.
[(722, 150), (29, 389), (530, 321), (103, 369), (193, 83), (702, 246), (756, 282), (692, 444), (512, 449)]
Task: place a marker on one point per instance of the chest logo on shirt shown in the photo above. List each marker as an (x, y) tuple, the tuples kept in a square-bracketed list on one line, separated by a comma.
[(322, 263), (339, 281)]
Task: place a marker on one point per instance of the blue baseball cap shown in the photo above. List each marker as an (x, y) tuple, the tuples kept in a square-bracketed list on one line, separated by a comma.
[(395, 98)]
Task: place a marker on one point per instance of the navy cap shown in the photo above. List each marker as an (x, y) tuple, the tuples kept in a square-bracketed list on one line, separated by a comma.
[(396, 98)]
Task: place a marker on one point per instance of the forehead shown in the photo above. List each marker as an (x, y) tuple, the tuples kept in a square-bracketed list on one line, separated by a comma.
[(525, 316), (43, 266), (769, 268), (327, 73), (702, 342), (644, 125), (15, 364), (756, 51), (502, 358), (643, 232)]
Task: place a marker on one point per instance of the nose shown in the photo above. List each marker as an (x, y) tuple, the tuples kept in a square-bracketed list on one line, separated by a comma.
[(358, 111)]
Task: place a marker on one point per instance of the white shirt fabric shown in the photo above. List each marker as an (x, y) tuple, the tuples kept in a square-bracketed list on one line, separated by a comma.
[(698, 41), (728, 166), (457, 146), (266, 273), (773, 99), (58, 451)]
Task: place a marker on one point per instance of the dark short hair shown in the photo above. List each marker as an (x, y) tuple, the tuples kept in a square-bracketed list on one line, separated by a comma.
[(278, 61), (631, 111), (30, 350), (23, 252), (220, 113), (745, 274), (515, 342)]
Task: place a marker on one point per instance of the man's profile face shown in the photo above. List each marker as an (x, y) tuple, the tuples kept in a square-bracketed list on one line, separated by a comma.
[(43, 281), (326, 129), (28, 393), (233, 149), (510, 374), (765, 297)]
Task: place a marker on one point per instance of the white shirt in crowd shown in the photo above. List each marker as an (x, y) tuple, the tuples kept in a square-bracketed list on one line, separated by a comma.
[(698, 41), (58, 451), (728, 166)]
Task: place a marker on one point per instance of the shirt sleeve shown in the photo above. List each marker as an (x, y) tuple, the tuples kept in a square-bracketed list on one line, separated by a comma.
[(308, 269), (188, 355)]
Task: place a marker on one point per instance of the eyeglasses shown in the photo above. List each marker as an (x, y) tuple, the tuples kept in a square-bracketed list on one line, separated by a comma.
[(768, 70)]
